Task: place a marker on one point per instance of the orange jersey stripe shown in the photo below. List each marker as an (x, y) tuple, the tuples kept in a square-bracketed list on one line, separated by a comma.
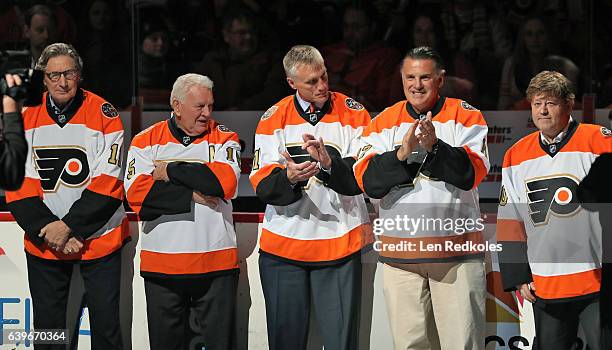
[(389, 118), (262, 174), (468, 117), (286, 108), (92, 248), (509, 230), (188, 263), (567, 286), (107, 185), (30, 188), (162, 135), (89, 114), (360, 168), (527, 148), (427, 247), (226, 176), (31, 120), (397, 114), (317, 249), (480, 170), (138, 191), (586, 137), (589, 137)]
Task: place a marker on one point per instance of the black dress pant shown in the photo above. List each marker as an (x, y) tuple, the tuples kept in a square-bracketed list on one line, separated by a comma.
[(557, 324), (49, 282), (192, 313), (336, 297)]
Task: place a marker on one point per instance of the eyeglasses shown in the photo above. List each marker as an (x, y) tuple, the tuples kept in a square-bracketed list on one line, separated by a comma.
[(70, 74)]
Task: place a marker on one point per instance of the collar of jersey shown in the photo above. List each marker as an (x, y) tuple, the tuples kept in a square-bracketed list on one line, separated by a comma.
[(179, 134), (434, 111), (553, 148), (62, 118), (317, 115)]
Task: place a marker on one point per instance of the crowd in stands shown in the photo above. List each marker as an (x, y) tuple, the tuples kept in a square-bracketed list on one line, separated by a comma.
[(491, 48)]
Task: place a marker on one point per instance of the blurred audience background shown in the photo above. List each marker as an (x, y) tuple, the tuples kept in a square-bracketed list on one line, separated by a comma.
[(491, 48)]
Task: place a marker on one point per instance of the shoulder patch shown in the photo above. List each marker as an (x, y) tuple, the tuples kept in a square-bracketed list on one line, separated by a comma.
[(108, 110), (269, 112), (605, 131), (223, 128), (352, 104), (468, 106)]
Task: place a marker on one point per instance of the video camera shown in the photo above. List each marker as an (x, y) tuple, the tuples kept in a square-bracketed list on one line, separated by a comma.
[(31, 89)]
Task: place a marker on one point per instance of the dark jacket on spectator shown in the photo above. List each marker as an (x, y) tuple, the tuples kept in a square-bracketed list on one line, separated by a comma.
[(253, 83)]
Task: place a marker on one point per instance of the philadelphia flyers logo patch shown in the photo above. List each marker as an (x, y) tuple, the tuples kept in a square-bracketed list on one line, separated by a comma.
[(468, 106), (352, 104), (553, 195), (108, 110), (605, 131), (66, 165), (223, 128), (269, 112)]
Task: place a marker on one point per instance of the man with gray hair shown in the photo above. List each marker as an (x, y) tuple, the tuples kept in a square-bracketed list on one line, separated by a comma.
[(181, 176), (316, 223), (70, 203)]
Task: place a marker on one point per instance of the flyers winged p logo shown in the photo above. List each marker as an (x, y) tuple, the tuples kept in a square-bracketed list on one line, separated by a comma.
[(552, 195), (67, 165)]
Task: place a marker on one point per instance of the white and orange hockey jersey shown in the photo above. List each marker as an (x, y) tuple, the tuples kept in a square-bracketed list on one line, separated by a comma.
[(429, 199), (310, 222), (546, 236), (179, 236), (73, 173)]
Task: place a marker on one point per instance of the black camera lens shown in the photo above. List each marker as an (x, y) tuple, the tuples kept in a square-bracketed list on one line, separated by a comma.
[(31, 89)]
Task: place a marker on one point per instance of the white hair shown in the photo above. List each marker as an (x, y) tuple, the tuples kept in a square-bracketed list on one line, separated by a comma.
[(185, 82), (301, 55)]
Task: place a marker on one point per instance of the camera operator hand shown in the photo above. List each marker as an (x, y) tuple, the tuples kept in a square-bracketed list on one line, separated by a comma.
[(13, 145), (9, 105)]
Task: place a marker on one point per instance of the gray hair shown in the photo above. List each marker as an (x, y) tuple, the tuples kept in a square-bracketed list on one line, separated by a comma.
[(301, 55), (59, 49), (185, 82)]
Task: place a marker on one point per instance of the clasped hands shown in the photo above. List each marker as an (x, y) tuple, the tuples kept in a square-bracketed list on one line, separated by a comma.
[(297, 172), (423, 133), (161, 173), (58, 237)]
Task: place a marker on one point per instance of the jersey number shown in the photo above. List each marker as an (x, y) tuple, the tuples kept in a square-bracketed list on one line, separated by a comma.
[(131, 169), (114, 159)]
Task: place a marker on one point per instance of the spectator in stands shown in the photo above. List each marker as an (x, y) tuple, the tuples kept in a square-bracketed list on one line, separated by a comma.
[(532, 54), (39, 30), (604, 97), (460, 78), (156, 70), (246, 74), (105, 49), (361, 65), (66, 29), (476, 29), (11, 34)]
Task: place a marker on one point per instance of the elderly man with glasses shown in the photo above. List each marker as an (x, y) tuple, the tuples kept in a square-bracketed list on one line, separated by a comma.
[(70, 203)]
